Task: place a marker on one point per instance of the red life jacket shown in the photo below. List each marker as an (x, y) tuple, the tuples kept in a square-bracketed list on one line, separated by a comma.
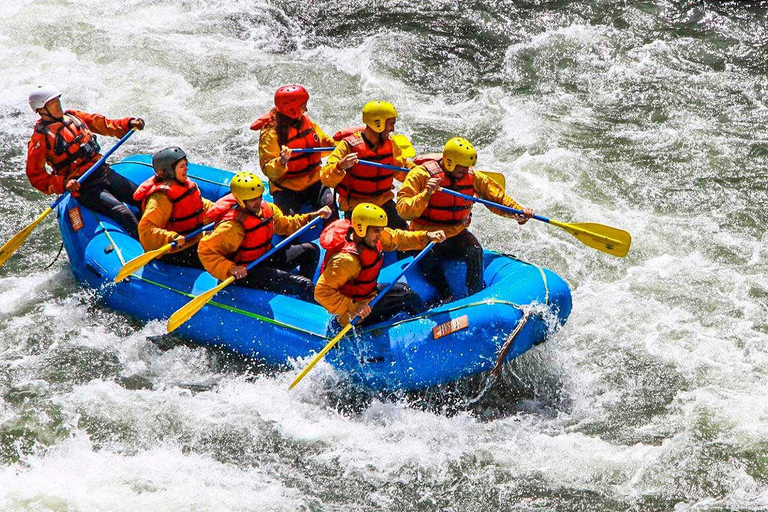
[(445, 208), (337, 238), (364, 181), (70, 143), (258, 230), (303, 137), (188, 211)]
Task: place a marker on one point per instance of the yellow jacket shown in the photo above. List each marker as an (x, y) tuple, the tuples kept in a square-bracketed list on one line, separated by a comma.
[(274, 169), (216, 248), (344, 267), (331, 175), (157, 213), (412, 200)]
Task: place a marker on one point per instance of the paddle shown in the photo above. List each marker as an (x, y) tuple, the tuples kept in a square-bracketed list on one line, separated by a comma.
[(603, 238), (10, 247), (344, 331), (190, 308), (402, 142), (142, 259)]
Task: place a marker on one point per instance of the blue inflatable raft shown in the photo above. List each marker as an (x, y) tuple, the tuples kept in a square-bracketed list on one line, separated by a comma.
[(438, 346)]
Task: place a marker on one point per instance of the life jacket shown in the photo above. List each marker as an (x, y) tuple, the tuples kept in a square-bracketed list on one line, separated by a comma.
[(364, 181), (70, 144), (445, 208), (338, 238), (303, 137), (188, 211), (258, 230)]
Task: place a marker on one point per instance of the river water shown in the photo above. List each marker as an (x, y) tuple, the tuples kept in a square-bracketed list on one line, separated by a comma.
[(648, 116)]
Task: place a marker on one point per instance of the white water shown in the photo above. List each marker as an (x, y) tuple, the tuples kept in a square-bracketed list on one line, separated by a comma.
[(646, 117)]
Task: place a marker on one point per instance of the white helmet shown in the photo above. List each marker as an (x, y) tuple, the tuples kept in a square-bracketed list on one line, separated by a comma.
[(42, 95)]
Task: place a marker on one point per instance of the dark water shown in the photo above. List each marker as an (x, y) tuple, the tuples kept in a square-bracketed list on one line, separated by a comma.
[(648, 116)]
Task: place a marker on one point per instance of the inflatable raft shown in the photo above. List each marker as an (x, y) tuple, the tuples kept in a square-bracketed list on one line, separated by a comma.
[(438, 346)]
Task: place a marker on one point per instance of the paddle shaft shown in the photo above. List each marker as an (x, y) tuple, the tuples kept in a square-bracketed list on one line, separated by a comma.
[(312, 150), (95, 166), (283, 243), (346, 328), (194, 233)]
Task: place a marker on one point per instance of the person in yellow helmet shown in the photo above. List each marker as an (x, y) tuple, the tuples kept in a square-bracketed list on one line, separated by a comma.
[(356, 183), (294, 179), (420, 202), (245, 224), (355, 253)]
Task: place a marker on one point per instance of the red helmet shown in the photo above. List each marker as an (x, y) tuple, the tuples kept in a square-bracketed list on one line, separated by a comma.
[(289, 99)]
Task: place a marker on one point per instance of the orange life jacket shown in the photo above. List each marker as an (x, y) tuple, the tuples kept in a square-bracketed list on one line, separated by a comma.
[(364, 181), (303, 137), (445, 208), (258, 230), (70, 143), (188, 211), (337, 238)]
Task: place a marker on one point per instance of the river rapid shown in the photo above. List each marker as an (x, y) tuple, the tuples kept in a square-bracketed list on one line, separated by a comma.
[(647, 116)]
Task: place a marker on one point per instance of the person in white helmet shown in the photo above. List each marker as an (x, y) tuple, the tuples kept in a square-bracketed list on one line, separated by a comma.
[(66, 142)]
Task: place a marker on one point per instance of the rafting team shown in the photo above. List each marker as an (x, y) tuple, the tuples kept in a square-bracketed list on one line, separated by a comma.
[(374, 222)]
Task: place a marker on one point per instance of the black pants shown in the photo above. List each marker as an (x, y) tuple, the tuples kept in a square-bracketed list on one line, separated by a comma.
[(316, 196), (105, 192), (399, 298), (273, 274), (185, 258), (463, 246), (394, 220)]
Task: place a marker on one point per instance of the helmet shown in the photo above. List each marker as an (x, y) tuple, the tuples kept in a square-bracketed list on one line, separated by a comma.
[(458, 151), (367, 214), (289, 99), (42, 95), (376, 113), (165, 160), (246, 186)]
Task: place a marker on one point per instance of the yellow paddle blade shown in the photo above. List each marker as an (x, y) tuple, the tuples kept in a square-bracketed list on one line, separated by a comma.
[(320, 355), (139, 261), (603, 238), (12, 245), (189, 309), (406, 148), (497, 177)]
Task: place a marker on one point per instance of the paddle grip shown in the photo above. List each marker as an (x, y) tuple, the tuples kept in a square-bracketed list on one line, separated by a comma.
[(195, 233), (95, 166)]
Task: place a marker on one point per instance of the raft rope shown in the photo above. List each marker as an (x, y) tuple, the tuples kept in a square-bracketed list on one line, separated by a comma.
[(232, 309), (57, 256), (508, 344)]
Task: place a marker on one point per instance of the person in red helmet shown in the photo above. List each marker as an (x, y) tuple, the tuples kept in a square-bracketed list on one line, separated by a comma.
[(294, 180), (66, 142)]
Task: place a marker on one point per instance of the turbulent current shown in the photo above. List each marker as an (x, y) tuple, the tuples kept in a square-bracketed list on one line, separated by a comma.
[(647, 116)]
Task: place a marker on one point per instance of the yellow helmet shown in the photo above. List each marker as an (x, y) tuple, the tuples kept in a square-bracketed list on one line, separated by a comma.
[(367, 214), (376, 113), (245, 186), (458, 151)]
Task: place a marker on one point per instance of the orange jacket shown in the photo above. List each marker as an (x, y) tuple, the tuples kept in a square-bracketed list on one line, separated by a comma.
[(39, 152), (153, 232), (279, 174), (331, 175), (216, 249), (345, 267), (412, 200)]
